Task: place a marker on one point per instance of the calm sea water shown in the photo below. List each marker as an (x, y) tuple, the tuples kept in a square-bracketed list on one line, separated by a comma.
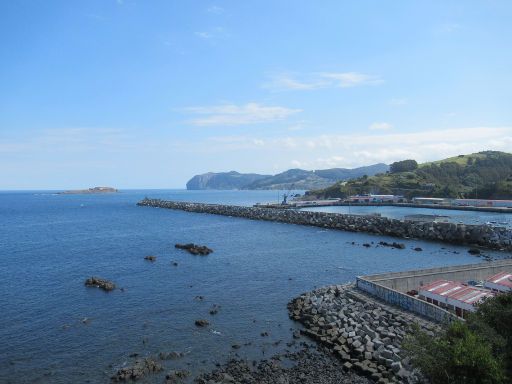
[(50, 243)]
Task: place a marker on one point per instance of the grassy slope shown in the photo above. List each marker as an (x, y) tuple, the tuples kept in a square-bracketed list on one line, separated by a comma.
[(483, 175)]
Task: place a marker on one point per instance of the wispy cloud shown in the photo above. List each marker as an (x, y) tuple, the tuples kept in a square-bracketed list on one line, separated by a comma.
[(232, 114), (447, 28), (212, 34), (320, 80), (382, 126), (215, 9), (319, 151)]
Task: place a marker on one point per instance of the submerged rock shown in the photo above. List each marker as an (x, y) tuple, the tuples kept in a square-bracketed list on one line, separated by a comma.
[(195, 249), (150, 258), (97, 282), (138, 370), (171, 355), (176, 376), (474, 251), (202, 323), (392, 245)]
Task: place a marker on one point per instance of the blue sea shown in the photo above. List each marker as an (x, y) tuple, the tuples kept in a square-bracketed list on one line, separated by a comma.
[(53, 329)]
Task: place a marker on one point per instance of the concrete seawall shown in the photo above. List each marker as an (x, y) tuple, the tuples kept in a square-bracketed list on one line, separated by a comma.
[(482, 235)]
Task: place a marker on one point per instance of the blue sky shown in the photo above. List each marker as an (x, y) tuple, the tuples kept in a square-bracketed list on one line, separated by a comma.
[(145, 94)]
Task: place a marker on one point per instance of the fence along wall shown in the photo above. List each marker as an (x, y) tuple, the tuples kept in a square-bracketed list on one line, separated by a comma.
[(482, 235)]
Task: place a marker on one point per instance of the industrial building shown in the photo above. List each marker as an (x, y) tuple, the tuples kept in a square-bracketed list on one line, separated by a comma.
[(437, 293), (369, 198), (454, 296), (501, 282), (463, 202)]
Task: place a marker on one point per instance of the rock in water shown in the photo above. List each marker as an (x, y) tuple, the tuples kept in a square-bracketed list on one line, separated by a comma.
[(150, 258), (195, 249), (474, 251), (139, 369), (202, 323), (100, 283)]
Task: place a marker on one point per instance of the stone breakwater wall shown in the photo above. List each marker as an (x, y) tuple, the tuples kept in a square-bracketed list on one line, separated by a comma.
[(364, 333), (481, 235)]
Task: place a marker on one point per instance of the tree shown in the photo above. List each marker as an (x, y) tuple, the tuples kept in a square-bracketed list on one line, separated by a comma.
[(457, 356), (476, 351), (403, 166)]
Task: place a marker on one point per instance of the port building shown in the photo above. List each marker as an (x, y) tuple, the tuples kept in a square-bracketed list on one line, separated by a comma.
[(500, 282), (454, 296)]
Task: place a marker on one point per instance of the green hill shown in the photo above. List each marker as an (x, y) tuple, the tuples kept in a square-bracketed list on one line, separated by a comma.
[(480, 175)]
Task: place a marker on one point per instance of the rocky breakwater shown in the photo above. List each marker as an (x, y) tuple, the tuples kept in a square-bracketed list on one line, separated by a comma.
[(480, 235), (364, 333)]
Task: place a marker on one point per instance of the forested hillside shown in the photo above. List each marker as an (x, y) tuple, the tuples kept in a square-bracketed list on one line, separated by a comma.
[(480, 175)]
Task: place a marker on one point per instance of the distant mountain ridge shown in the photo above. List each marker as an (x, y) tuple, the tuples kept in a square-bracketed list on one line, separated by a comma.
[(292, 178)]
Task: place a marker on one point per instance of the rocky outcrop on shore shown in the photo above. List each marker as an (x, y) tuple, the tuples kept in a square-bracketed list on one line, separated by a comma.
[(97, 282), (195, 249), (481, 235), (366, 334), (138, 370), (310, 365)]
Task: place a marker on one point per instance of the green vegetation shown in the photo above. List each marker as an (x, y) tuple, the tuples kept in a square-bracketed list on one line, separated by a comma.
[(481, 175), (476, 351), (403, 166)]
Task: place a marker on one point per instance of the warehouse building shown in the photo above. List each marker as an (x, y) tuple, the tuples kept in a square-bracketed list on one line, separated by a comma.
[(501, 282), (454, 296)]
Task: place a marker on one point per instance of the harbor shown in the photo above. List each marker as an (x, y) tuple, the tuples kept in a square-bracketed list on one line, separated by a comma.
[(492, 237)]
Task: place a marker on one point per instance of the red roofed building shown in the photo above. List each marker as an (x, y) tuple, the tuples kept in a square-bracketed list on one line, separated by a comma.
[(501, 282), (454, 296)]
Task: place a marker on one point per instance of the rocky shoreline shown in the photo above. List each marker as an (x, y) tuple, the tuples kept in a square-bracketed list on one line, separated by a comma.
[(364, 333), (310, 365), (486, 236)]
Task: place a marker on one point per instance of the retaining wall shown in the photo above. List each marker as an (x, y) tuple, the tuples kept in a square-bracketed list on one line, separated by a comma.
[(482, 235), (404, 301)]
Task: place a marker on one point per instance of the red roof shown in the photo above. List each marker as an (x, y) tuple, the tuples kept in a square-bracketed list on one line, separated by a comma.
[(502, 278), (457, 291)]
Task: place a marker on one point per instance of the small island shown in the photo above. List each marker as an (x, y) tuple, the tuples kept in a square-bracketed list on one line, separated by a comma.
[(89, 191)]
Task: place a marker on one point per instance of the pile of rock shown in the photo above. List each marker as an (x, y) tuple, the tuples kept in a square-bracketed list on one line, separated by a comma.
[(308, 365), (195, 249), (366, 334), (138, 370), (482, 235), (97, 282)]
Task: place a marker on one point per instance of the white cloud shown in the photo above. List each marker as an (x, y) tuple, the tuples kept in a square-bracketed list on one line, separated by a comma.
[(212, 34), (351, 79), (231, 114), (363, 149), (380, 126), (204, 35), (295, 82), (215, 9)]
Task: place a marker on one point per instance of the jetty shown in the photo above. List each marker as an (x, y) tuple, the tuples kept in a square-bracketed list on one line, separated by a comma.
[(499, 238)]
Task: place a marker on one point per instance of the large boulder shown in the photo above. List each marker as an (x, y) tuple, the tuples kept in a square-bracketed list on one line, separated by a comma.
[(97, 282)]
